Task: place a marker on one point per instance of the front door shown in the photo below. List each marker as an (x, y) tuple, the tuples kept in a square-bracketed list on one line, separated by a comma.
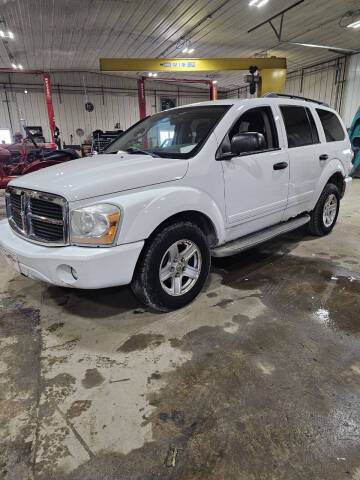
[(256, 184)]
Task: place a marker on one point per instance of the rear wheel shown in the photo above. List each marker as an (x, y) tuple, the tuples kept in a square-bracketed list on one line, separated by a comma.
[(173, 267), (325, 213)]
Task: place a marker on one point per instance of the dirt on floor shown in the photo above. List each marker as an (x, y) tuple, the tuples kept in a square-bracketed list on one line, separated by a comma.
[(258, 379)]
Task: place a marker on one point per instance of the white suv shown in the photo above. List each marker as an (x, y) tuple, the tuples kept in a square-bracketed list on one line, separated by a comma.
[(212, 178)]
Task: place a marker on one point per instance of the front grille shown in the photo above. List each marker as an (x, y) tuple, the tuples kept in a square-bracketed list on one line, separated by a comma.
[(40, 217)]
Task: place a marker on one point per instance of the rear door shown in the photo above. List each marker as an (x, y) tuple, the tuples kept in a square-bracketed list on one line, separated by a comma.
[(336, 145), (304, 151), (256, 183)]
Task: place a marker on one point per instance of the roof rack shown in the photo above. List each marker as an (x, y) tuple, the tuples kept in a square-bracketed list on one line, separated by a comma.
[(295, 97)]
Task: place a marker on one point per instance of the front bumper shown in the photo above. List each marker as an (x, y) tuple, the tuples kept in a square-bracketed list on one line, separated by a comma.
[(71, 266)]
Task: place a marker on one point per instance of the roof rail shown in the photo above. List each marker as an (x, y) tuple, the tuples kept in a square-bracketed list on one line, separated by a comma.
[(277, 95)]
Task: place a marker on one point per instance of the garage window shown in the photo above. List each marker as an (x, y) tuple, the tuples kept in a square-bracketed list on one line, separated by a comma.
[(332, 126), (298, 127), (5, 136)]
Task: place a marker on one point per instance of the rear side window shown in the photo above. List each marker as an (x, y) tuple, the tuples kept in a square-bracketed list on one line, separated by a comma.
[(332, 126), (298, 127)]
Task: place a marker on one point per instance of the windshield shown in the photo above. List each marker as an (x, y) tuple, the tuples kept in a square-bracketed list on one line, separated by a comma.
[(177, 133)]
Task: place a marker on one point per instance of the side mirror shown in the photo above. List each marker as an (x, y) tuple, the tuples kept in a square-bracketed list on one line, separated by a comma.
[(247, 142)]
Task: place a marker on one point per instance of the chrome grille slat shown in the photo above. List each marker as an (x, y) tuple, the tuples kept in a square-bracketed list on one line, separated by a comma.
[(40, 217), (41, 207)]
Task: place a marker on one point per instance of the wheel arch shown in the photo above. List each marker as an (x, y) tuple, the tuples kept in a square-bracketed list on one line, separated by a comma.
[(337, 179), (333, 173), (193, 216)]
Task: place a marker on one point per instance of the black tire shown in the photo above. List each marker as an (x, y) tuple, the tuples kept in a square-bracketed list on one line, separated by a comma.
[(146, 283), (317, 225)]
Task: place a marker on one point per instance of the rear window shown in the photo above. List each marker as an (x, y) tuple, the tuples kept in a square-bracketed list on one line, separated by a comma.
[(332, 126), (298, 128)]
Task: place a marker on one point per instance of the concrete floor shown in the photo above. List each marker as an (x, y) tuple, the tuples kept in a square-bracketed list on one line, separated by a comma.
[(259, 379)]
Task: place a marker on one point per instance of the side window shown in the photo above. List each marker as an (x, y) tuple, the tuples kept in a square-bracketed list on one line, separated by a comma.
[(259, 120), (314, 130), (298, 127), (332, 127)]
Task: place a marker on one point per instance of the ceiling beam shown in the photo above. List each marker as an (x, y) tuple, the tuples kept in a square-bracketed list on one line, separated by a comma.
[(187, 64)]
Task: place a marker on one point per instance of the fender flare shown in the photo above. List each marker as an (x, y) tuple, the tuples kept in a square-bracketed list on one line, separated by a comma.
[(334, 166), (144, 211)]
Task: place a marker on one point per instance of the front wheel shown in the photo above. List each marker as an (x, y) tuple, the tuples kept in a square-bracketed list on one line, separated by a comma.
[(326, 211), (173, 267)]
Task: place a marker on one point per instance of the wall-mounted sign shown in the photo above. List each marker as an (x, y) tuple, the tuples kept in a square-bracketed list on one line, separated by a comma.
[(179, 64)]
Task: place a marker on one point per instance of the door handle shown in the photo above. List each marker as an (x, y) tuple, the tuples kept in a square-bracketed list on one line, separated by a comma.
[(324, 157), (280, 166)]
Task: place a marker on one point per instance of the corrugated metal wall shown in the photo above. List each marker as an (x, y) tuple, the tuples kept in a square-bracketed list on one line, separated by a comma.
[(323, 82), (114, 98), (241, 92), (351, 102)]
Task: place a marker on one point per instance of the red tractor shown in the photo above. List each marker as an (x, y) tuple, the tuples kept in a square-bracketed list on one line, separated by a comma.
[(27, 156)]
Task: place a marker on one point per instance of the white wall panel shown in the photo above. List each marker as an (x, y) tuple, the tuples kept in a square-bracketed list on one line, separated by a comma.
[(114, 98), (351, 102), (324, 83)]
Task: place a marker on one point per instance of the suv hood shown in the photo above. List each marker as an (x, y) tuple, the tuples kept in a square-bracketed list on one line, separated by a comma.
[(103, 174)]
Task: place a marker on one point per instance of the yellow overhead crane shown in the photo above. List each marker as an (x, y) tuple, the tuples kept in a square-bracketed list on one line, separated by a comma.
[(272, 71)]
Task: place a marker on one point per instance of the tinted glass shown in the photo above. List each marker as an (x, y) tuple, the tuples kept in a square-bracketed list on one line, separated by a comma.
[(298, 128), (314, 130), (332, 127), (259, 120), (177, 133)]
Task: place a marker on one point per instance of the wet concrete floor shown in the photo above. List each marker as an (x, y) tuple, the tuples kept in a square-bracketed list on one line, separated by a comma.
[(259, 379)]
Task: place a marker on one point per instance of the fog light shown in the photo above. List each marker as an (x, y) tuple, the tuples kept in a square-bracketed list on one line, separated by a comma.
[(74, 273), (67, 274)]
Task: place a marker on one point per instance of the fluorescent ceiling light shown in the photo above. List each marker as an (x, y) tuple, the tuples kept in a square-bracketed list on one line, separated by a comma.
[(185, 50), (326, 47), (10, 34), (214, 81), (154, 74), (2, 34), (20, 66), (191, 50), (150, 74), (354, 25), (257, 3), (14, 66)]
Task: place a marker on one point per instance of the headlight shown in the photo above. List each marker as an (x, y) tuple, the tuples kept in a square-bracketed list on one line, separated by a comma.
[(95, 225)]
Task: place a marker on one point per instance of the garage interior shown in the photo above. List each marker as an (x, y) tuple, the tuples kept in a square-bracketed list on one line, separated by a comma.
[(259, 377)]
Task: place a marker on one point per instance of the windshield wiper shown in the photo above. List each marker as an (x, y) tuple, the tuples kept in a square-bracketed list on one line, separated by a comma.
[(138, 150)]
